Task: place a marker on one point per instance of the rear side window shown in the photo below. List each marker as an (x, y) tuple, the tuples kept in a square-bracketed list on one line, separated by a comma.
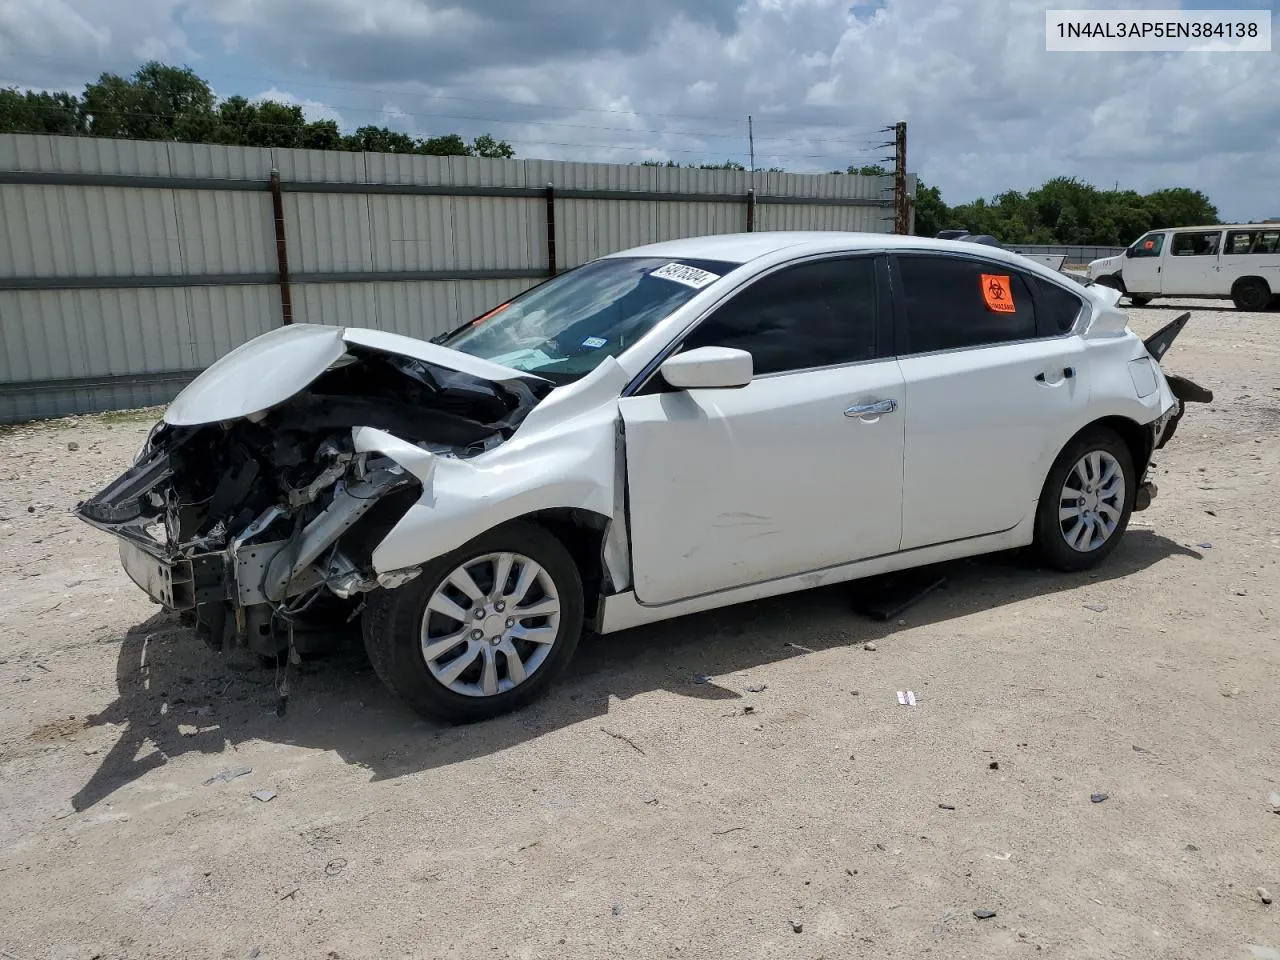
[(951, 303), (815, 314), (1252, 241), (1059, 309)]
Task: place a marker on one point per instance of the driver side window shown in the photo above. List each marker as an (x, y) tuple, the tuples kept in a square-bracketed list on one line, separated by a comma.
[(816, 314), (1148, 246)]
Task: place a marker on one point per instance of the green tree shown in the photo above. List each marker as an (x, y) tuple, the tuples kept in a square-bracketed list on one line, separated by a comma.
[(449, 145), (380, 140), (932, 214), (30, 111), (1180, 207), (158, 102), (485, 146), (321, 135)]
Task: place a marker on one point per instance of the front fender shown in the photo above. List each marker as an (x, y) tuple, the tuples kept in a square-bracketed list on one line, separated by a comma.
[(461, 499)]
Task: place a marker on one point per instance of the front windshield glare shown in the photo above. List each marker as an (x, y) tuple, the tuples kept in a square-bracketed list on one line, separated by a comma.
[(565, 327)]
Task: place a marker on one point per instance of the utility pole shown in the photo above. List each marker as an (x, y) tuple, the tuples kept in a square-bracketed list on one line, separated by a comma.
[(901, 202), (751, 140)]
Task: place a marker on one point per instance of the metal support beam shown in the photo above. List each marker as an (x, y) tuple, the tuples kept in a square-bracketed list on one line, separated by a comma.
[(551, 230), (282, 251), (751, 210)]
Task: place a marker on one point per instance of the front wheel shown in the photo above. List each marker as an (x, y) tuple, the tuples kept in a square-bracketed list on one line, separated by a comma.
[(483, 630), (1086, 501), (1139, 301)]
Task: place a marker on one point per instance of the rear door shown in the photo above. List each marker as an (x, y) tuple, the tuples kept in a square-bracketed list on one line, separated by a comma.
[(1192, 265), (994, 382)]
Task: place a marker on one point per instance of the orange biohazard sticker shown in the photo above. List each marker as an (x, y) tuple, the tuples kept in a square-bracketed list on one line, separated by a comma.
[(997, 293)]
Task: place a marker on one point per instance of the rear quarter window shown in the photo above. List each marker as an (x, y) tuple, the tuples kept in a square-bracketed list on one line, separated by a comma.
[(1059, 308)]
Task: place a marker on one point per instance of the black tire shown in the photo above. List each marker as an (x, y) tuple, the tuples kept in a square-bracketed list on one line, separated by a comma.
[(1111, 281), (1252, 294), (1050, 544), (392, 625), (1139, 300)]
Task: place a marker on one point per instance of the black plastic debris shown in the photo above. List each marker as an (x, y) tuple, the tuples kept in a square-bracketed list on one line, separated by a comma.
[(1099, 797), (888, 596), (984, 914)]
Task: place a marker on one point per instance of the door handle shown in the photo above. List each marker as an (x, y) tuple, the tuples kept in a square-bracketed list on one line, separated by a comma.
[(872, 409)]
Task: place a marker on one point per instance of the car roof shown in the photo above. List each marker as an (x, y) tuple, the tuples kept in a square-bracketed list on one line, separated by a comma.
[(741, 248), (1224, 226)]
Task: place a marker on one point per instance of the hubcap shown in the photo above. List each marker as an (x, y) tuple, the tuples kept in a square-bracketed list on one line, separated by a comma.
[(1092, 501), (490, 624)]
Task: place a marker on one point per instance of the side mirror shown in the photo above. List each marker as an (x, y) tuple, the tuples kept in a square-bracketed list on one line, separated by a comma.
[(706, 368)]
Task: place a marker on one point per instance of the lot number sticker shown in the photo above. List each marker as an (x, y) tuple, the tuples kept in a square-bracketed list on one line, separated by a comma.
[(689, 276), (997, 293)]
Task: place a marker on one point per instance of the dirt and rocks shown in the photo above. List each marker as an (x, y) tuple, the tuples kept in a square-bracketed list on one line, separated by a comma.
[(154, 805)]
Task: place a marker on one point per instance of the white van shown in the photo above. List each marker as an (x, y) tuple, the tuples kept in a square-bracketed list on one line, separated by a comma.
[(1240, 261)]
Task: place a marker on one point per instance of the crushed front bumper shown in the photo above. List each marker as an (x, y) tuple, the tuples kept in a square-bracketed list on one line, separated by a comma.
[(178, 583)]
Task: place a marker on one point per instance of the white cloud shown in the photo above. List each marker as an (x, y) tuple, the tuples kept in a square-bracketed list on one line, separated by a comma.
[(311, 109), (987, 107)]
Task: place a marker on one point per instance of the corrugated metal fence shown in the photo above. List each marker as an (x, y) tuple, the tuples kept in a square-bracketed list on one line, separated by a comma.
[(126, 267)]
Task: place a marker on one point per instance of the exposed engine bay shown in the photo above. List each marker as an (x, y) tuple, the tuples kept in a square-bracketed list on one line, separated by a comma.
[(250, 525)]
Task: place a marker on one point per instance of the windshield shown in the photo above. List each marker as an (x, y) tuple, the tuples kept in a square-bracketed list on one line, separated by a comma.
[(564, 328)]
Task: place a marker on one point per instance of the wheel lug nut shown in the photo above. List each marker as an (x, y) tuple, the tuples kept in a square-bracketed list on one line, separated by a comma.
[(477, 634), (499, 606), (511, 621), (495, 640), (479, 613)]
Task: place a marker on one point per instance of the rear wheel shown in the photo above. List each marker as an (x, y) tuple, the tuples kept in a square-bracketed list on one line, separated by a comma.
[(483, 630), (1086, 501), (1251, 294), (1139, 301)]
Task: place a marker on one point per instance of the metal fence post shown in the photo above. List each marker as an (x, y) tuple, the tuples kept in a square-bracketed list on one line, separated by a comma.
[(282, 250), (551, 230)]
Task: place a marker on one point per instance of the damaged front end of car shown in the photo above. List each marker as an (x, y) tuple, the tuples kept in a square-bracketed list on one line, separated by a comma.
[(257, 503)]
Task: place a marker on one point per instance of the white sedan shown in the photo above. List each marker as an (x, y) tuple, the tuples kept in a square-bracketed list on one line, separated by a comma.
[(664, 430)]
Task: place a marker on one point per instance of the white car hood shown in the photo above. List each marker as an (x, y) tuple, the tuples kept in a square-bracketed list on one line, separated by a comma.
[(273, 367)]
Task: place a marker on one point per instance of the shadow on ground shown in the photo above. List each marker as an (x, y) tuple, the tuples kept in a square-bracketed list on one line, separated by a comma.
[(180, 697)]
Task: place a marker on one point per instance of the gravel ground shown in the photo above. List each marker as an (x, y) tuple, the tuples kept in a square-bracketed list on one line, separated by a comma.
[(790, 807)]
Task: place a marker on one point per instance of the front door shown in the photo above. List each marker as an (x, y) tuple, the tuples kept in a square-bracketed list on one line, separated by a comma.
[(789, 474), (1142, 264), (995, 384)]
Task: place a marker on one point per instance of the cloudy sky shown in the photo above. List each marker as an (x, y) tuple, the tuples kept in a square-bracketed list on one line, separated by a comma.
[(988, 109)]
